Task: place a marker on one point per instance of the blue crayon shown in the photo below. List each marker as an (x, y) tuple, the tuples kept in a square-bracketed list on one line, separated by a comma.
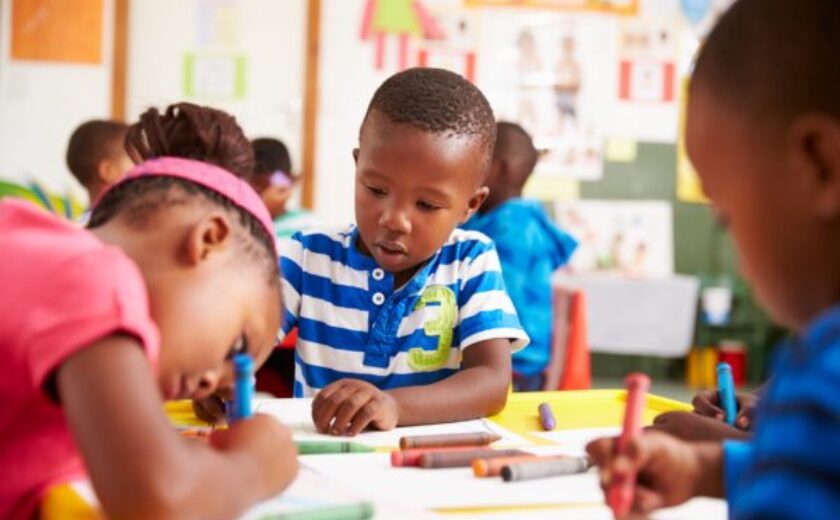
[(243, 388), (726, 392)]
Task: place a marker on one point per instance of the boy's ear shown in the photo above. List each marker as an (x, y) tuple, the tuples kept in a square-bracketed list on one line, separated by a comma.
[(106, 171), (208, 236), (355, 156), (816, 151), (475, 202)]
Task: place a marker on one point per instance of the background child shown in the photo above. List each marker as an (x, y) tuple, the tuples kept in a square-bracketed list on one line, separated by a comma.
[(96, 156), (763, 131), (274, 181), (99, 325), (404, 319), (530, 248)]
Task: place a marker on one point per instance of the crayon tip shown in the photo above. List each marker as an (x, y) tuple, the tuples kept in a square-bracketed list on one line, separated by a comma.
[(480, 468)]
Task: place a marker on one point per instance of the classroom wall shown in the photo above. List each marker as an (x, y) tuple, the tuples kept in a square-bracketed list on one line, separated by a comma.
[(42, 102), (268, 33)]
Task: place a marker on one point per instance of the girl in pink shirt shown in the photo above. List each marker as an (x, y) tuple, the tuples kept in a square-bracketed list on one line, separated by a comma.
[(176, 274)]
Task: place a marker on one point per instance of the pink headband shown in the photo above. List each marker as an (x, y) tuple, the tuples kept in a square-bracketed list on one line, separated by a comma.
[(211, 177)]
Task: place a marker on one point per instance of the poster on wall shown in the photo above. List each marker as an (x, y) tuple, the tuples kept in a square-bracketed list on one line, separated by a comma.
[(629, 238), (46, 30), (552, 73), (622, 7)]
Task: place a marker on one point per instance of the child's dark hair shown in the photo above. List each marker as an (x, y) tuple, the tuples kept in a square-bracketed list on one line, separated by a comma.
[(193, 132), (271, 155), (437, 101), (774, 58), (91, 143), (516, 146)]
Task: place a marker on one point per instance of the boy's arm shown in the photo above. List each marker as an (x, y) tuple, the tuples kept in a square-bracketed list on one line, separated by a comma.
[(348, 406), (140, 467), (479, 389)]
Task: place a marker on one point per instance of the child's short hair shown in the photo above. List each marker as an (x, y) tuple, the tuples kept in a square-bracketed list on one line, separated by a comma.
[(774, 58), (192, 132), (516, 145), (92, 142), (437, 101), (271, 155)]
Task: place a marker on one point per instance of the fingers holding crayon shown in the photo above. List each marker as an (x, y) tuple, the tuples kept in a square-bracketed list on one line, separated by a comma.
[(668, 471), (349, 406)]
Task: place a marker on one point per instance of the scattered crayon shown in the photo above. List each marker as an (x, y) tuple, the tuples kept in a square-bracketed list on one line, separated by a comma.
[(545, 467), (546, 417), (463, 459), (447, 440)]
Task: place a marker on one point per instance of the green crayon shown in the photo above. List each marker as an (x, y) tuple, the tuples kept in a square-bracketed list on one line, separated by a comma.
[(359, 511), (328, 447)]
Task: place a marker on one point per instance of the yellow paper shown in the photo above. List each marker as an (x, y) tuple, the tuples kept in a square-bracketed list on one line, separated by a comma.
[(621, 150), (545, 187), (689, 188)]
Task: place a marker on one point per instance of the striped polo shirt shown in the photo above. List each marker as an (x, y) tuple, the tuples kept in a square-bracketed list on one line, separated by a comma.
[(791, 469), (352, 323)]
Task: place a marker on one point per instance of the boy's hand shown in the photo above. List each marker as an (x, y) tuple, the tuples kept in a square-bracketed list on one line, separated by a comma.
[(668, 471), (265, 443), (210, 409), (707, 403), (695, 427), (348, 406)]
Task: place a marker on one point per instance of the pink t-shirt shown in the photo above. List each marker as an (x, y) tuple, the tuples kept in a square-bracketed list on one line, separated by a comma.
[(61, 290)]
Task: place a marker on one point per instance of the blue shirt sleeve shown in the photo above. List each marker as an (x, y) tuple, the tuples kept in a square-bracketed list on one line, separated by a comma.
[(792, 469)]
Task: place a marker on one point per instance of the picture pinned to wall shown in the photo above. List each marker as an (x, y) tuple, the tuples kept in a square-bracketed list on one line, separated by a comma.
[(218, 23), (400, 20), (621, 7), (57, 31), (456, 47), (647, 63), (628, 238), (214, 76), (536, 75)]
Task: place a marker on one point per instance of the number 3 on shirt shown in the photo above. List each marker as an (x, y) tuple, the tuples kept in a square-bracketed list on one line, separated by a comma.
[(425, 360)]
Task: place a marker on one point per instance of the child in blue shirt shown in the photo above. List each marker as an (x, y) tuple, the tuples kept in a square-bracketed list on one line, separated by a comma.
[(403, 318), (530, 247), (763, 132)]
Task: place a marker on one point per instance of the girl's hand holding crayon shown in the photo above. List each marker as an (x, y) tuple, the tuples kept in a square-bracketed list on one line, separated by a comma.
[(266, 445), (348, 406), (668, 471)]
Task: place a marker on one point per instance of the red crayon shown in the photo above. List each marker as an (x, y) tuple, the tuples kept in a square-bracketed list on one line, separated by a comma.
[(622, 487)]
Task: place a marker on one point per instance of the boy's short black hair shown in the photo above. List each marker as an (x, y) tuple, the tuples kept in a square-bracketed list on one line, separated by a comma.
[(774, 58), (436, 101), (271, 155), (92, 142), (515, 145)]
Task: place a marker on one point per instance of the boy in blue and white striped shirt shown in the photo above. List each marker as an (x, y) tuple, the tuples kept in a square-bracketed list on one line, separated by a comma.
[(402, 318)]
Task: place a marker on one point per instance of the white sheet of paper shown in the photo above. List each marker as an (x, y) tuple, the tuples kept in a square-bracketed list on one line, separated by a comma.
[(311, 491), (576, 496), (297, 414)]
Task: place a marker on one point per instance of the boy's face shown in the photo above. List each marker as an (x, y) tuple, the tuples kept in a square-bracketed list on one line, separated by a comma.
[(412, 189), (747, 173)]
